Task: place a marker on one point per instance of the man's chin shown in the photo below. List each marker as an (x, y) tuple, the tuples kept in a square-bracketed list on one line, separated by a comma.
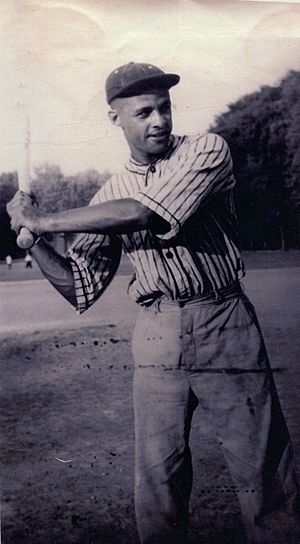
[(158, 145)]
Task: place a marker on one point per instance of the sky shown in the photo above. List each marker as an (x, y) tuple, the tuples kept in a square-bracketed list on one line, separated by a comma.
[(56, 55)]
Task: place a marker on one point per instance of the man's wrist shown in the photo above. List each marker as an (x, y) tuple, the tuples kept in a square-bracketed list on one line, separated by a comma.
[(43, 226)]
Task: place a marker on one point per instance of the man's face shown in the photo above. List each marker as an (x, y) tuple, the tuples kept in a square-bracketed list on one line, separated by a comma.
[(146, 121)]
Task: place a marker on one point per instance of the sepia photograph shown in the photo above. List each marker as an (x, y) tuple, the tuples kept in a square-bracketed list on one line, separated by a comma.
[(149, 272)]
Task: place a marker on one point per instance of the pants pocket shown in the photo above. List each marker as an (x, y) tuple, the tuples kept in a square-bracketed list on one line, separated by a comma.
[(157, 339)]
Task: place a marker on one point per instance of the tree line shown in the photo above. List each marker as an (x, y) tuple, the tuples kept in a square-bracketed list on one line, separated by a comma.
[(53, 192), (262, 130)]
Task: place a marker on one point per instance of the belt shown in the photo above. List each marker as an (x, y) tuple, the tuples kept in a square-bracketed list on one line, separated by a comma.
[(212, 297)]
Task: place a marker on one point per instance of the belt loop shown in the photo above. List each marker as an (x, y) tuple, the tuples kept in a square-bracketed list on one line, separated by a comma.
[(219, 298), (157, 305)]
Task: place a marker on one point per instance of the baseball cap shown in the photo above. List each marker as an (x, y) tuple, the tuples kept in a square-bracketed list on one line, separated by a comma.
[(134, 78)]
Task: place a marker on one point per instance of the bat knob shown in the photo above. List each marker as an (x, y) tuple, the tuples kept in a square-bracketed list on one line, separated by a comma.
[(25, 238)]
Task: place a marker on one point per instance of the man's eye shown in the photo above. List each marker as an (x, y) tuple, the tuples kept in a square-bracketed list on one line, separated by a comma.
[(143, 114)]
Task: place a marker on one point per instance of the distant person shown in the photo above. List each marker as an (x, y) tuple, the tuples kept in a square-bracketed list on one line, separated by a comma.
[(9, 261), (28, 260), (197, 341)]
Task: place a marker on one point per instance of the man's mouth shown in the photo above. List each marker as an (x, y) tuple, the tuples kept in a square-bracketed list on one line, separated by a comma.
[(159, 135)]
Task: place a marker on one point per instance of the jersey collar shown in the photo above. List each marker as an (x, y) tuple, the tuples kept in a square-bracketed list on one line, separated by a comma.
[(138, 168)]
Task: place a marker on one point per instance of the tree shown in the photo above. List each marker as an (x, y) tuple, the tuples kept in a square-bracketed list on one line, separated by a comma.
[(56, 192), (262, 129), (53, 192), (8, 187)]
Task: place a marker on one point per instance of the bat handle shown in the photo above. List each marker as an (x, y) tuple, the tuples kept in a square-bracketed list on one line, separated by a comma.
[(25, 239)]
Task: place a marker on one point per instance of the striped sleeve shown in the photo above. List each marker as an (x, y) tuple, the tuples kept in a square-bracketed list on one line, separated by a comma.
[(94, 259), (204, 169)]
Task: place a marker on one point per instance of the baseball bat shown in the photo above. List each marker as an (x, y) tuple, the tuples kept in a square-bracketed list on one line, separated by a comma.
[(25, 238)]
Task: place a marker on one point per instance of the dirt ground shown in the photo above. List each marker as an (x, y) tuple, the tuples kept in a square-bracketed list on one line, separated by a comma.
[(67, 438), (68, 444)]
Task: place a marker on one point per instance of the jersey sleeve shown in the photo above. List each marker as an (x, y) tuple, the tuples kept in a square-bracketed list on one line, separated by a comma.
[(201, 170), (94, 259)]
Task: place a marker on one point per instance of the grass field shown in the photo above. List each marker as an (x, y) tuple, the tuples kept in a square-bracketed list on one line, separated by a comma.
[(18, 271), (253, 260)]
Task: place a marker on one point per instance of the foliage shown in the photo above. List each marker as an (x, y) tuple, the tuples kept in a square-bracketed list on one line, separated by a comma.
[(262, 130), (53, 192), (8, 187)]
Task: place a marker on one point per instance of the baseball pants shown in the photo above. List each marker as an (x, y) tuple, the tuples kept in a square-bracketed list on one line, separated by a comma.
[(207, 354)]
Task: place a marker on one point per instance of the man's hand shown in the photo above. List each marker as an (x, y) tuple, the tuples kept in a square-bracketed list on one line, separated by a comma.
[(24, 213)]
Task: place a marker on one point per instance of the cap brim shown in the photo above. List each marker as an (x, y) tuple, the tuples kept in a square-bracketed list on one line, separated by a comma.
[(163, 81)]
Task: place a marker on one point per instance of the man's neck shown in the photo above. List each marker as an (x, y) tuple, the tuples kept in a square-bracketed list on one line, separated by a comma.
[(142, 160), (145, 161)]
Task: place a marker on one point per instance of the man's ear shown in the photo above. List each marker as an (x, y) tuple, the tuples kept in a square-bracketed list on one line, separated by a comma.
[(114, 117)]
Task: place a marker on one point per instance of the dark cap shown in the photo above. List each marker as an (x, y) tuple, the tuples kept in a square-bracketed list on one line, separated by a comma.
[(134, 78)]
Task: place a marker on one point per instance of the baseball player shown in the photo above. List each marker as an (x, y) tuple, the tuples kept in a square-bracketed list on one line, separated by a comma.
[(197, 342)]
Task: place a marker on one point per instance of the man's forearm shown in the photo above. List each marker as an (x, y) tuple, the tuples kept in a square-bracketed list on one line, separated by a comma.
[(56, 269), (114, 216), (122, 216)]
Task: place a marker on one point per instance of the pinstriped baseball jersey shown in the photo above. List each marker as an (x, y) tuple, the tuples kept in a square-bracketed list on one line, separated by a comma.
[(191, 188)]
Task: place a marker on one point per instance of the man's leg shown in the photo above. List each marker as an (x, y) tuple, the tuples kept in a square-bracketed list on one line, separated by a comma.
[(249, 423), (257, 448), (163, 406)]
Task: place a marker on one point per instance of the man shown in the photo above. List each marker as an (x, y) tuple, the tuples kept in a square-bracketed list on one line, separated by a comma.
[(28, 260), (197, 340), (8, 260)]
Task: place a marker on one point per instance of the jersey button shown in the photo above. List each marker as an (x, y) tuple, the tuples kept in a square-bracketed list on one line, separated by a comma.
[(169, 254), (152, 168)]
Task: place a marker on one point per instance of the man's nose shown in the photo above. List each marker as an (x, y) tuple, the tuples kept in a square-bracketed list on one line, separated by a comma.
[(157, 119)]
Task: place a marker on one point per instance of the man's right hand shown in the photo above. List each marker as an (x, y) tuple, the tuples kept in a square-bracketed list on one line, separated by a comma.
[(24, 212)]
